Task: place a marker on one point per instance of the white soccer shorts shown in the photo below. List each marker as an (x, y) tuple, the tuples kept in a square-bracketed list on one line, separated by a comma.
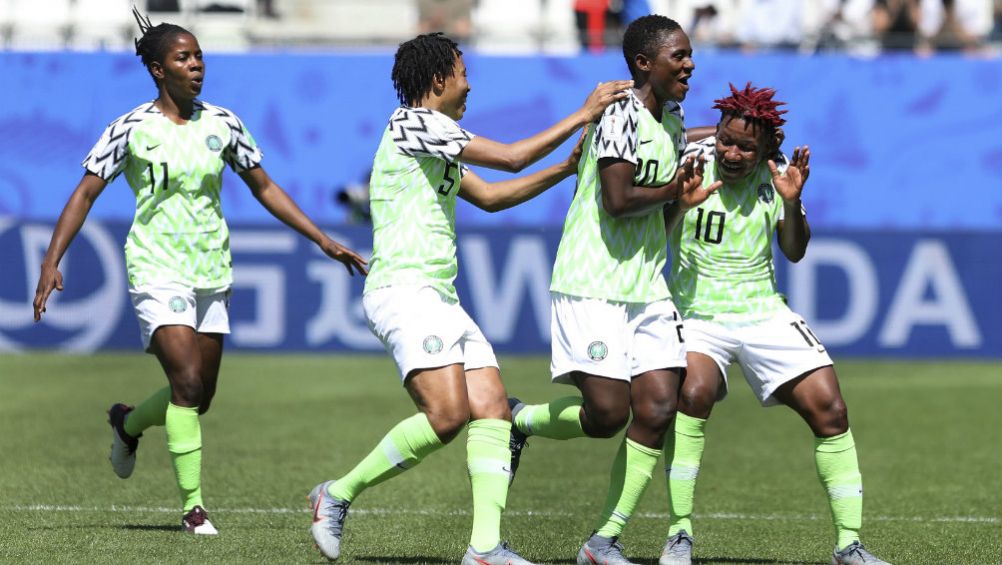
[(618, 340), (173, 304), (421, 329), (770, 353)]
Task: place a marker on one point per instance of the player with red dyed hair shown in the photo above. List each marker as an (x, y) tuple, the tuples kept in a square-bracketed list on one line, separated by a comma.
[(723, 283)]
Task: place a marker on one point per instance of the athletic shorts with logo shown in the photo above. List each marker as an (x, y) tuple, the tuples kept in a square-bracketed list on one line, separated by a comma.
[(421, 329), (770, 353), (618, 340), (206, 310)]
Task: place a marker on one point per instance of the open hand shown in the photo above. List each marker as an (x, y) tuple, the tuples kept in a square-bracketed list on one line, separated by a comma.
[(604, 94), (575, 157), (689, 179), (50, 279), (790, 183), (351, 260)]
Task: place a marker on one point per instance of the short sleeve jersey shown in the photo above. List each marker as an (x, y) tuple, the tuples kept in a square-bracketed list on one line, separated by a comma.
[(620, 259), (722, 262), (178, 234), (412, 192)]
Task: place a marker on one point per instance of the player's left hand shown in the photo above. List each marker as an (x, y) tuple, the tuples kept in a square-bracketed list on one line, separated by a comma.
[(351, 260), (575, 156), (790, 183)]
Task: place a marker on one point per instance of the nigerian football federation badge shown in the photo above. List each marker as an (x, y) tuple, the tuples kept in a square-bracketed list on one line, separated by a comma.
[(214, 143), (177, 304), (432, 344), (597, 350), (765, 192)]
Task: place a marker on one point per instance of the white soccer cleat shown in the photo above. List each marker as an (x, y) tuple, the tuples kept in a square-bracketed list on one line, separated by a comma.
[(855, 554), (123, 446), (677, 550), (500, 555), (329, 514)]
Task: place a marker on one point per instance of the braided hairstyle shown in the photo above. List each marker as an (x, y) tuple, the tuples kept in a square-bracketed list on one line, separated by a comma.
[(152, 46), (419, 61), (644, 36)]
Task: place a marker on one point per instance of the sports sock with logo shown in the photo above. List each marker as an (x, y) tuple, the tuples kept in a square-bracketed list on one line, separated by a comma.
[(560, 419), (631, 473), (184, 442), (683, 452), (838, 469), (405, 445), (488, 460), (152, 412)]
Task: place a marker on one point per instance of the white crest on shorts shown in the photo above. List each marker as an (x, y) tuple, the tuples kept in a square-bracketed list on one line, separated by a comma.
[(432, 345), (597, 350)]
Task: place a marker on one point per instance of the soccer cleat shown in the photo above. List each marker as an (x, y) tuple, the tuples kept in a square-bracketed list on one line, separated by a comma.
[(196, 521), (678, 550), (518, 439), (855, 554), (500, 555), (123, 446), (329, 514), (596, 554)]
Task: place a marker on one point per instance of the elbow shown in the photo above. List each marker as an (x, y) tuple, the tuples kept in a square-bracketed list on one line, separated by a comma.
[(514, 161), (614, 209)]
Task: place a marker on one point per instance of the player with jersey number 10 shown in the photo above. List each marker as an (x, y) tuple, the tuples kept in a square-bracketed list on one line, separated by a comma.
[(172, 152), (723, 282)]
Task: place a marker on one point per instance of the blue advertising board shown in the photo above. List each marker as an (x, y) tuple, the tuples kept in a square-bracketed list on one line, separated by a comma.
[(900, 294)]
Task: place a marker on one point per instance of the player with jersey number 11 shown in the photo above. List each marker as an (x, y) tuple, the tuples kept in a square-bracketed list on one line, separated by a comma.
[(723, 282), (172, 152)]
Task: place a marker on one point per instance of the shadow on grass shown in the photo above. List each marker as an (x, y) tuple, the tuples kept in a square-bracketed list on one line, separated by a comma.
[(151, 527), (711, 561), (403, 560)]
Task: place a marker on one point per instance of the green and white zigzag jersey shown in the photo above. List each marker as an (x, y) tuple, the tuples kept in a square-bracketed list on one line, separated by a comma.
[(412, 195), (620, 259), (178, 234), (722, 265)]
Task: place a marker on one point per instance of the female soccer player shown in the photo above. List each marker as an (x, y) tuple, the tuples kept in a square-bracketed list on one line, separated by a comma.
[(445, 362), (615, 333), (722, 279), (172, 151)]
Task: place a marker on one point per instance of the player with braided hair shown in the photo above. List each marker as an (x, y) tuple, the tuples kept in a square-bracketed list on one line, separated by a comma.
[(723, 282), (172, 152), (444, 361)]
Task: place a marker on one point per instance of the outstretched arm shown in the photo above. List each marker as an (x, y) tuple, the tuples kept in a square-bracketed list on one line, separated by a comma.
[(494, 197), (70, 221), (278, 203), (513, 157), (794, 232)]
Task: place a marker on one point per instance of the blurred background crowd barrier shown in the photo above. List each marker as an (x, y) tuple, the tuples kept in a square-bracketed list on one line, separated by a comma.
[(905, 195)]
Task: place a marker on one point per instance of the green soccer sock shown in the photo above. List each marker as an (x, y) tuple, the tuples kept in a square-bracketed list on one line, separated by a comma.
[(560, 419), (184, 442), (683, 452), (838, 469), (631, 473), (488, 460), (403, 447), (152, 412)]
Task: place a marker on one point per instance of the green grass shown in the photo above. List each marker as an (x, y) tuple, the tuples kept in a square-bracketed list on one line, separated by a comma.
[(929, 437)]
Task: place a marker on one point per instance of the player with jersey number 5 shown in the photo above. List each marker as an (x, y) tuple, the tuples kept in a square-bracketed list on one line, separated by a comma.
[(615, 334), (444, 361), (722, 280), (172, 151)]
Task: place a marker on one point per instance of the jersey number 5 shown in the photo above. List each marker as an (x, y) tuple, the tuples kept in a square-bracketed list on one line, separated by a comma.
[(714, 232), (153, 179), (445, 188)]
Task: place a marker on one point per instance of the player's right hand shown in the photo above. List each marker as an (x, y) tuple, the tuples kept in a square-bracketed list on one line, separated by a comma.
[(50, 279), (604, 94), (689, 180), (352, 261)]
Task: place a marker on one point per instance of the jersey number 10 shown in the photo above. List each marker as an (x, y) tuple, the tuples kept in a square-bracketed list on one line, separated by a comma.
[(714, 231), (153, 179)]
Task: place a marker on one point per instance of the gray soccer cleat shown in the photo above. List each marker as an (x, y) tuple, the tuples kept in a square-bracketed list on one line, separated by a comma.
[(518, 440), (602, 554), (855, 554), (500, 555), (678, 550), (196, 521), (123, 446), (329, 514)]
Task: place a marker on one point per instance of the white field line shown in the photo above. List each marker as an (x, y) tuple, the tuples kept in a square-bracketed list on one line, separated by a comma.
[(544, 513)]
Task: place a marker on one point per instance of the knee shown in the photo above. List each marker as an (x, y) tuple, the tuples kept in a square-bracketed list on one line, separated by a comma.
[(448, 422), (606, 420), (186, 388), (697, 400), (831, 419), (655, 414)]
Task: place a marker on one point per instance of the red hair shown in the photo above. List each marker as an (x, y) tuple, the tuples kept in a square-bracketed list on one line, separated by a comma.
[(755, 104)]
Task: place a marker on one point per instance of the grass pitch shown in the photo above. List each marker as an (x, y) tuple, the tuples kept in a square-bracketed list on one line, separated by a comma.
[(929, 438)]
